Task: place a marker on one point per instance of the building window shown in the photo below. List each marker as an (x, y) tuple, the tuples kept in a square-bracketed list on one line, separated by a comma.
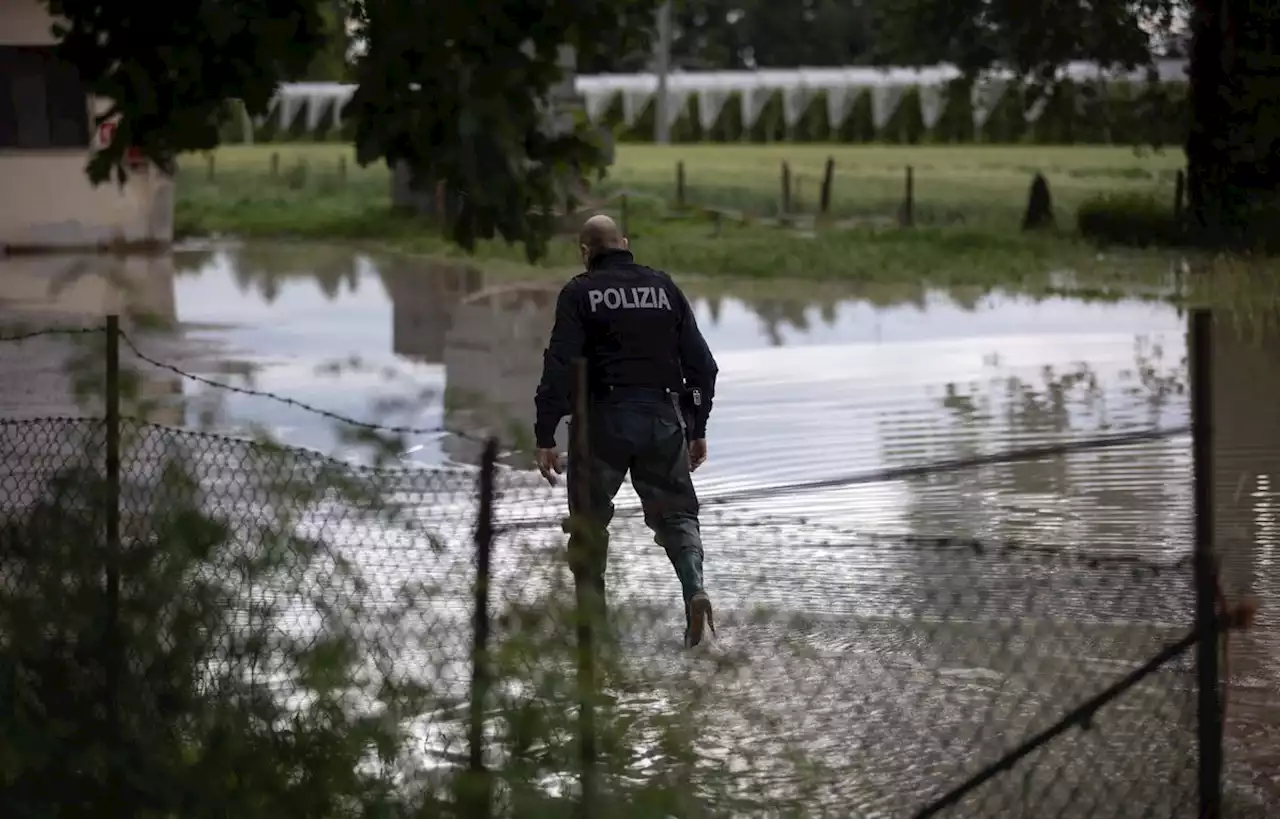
[(43, 103)]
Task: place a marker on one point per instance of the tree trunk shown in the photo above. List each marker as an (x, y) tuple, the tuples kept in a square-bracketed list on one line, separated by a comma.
[(1205, 106), (1233, 172)]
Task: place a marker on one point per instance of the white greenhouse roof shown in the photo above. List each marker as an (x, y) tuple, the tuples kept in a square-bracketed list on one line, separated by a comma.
[(712, 89)]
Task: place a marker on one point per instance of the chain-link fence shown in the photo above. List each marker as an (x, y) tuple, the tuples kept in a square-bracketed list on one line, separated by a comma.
[(193, 624)]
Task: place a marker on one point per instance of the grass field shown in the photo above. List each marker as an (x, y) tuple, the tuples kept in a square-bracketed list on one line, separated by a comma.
[(984, 185), (966, 185), (968, 203)]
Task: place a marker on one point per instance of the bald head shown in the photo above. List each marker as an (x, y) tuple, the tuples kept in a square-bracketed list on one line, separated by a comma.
[(600, 233)]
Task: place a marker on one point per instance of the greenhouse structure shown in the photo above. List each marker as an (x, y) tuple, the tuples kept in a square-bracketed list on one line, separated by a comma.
[(702, 102)]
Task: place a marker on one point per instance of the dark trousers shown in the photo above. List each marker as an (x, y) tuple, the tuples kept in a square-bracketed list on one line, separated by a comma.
[(640, 432)]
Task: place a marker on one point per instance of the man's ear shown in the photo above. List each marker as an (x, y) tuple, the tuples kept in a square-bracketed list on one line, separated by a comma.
[(626, 245)]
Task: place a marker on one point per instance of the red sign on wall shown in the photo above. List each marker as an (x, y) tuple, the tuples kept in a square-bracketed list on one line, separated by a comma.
[(107, 133)]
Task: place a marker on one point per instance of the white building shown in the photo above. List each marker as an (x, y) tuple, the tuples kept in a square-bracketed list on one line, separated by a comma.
[(47, 135)]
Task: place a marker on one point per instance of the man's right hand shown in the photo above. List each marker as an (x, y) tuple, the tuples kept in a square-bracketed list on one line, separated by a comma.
[(697, 454), (548, 461)]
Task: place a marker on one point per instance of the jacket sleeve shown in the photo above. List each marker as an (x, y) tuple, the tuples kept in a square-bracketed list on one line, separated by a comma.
[(699, 368), (553, 398)]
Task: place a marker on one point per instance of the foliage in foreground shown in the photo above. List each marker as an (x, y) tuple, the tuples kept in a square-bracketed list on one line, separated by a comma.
[(172, 100), (188, 698), (248, 671)]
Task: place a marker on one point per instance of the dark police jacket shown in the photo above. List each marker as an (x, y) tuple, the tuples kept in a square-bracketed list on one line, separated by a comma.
[(636, 329)]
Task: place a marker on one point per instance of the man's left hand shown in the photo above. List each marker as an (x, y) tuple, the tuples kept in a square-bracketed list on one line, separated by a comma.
[(697, 453), (549, 464)]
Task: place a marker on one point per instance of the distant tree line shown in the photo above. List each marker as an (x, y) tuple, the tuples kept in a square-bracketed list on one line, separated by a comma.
[(746, 34)]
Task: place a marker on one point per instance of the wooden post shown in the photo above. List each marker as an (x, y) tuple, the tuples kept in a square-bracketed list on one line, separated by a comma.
[(112, 646), (587, 597), (680, 200), (211, 165), (275, 165), (909, 199), (481, 805), (786, 188), (1205, 571), (1179, 195), (828, 177), (342, 170)]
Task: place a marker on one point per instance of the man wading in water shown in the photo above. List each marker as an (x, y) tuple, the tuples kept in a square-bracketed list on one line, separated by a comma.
[(651, 378)]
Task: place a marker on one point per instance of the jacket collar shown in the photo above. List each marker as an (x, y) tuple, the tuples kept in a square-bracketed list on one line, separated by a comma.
[(610, 258)]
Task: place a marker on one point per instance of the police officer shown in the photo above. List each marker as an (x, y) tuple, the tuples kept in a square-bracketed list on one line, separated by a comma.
[(651, 379)]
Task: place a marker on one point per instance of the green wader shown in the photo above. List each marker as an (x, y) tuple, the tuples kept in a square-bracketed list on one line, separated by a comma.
[(640, 431)]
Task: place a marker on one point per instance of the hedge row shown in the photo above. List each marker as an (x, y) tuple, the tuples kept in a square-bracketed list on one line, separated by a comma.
[(1145, 220), (1133, 219), (1074, 115)]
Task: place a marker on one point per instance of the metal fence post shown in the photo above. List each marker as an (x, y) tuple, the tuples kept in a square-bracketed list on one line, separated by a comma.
[(482, 806), (580, 486), (112, 646), (1209, 705)]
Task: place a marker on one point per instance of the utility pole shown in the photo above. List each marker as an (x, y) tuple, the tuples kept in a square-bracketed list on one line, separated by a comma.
[(662, 64)]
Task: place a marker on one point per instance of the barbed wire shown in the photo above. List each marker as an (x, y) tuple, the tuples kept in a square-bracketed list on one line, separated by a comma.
[(321, 459), (246, 391), (751, 493), (841, 537), (876, 476), (52, 331), (282, 399), (894, 473)]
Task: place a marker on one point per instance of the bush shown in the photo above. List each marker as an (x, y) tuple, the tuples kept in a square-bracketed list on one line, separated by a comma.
[(170, 714), (244, 670), (1134, 219)]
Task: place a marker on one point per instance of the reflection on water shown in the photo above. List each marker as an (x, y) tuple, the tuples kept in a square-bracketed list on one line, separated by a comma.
[(1246, 496), (61, 375), (1086, 500), (423, 307), (814, 385), (493, 361)]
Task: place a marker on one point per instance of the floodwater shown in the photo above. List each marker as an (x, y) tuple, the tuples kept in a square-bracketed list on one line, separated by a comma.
[(900, 631)]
